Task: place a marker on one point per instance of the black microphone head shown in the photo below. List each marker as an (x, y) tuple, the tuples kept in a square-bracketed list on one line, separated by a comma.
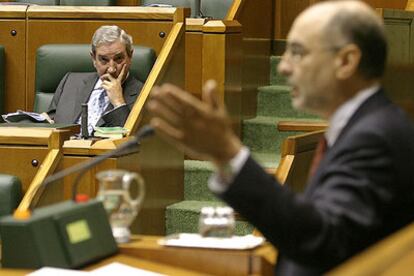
[(144, 132)]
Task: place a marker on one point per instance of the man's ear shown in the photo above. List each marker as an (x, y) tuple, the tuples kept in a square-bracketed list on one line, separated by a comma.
[(93, 58), (347, 61)]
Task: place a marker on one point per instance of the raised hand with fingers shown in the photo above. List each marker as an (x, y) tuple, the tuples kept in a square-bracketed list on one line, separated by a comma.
[(113, 87), (202, 129)]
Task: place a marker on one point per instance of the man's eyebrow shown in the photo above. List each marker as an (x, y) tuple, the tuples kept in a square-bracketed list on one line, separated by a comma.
[(294, 44), (116, 55), (119, 54)]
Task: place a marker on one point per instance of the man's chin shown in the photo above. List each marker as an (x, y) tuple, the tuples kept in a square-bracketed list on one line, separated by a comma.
[(297, 105), (297, 101)]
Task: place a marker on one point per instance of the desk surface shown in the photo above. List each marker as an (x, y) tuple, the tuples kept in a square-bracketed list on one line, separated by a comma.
[(145, 253), (124, 259)]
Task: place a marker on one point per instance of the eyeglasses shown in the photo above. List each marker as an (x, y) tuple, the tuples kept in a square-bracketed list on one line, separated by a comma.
[(295, 52)]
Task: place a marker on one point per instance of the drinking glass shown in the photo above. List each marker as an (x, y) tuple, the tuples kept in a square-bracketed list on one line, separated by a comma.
[(122, 194)]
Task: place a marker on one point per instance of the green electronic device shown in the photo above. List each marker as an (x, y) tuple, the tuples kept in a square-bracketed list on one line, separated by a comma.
[(66, 235)]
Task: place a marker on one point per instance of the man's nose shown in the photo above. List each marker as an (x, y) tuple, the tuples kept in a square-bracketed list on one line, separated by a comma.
[(284, 67), (111, 67)]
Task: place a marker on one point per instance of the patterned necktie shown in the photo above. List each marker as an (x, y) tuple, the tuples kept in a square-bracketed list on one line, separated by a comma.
[(319, 153), (98, 106)]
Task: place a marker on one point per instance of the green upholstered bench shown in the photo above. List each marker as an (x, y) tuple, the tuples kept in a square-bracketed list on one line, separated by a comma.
[(53, 61), (216, 9), (2, 77), (193, 4), (10, 193)]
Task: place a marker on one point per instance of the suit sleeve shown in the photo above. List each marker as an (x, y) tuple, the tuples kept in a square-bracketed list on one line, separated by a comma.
[(56, 97), (328, 225), (117, 116)]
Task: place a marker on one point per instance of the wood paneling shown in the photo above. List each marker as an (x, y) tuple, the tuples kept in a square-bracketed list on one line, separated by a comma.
[(12, 37), (17, 160), (285, 12), (399, 27), (193, 62), (256, 20), (222, 61), (127, 2), (410, 5)]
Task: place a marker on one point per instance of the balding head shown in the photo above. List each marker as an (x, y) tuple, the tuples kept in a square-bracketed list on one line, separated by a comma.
[(346, 22), (334, 50)]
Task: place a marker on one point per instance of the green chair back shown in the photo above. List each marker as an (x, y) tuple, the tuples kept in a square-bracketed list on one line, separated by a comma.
[(10, 194), (193, 4), (53, 61), (216, 9)]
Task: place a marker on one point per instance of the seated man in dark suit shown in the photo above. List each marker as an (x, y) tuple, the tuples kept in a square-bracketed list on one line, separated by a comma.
[(110, 92), (363, 188)]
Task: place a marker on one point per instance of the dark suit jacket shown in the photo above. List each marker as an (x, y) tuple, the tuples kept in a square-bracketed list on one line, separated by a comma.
[(76, 88), (362, 191)]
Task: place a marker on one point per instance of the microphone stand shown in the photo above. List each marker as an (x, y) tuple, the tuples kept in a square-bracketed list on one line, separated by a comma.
[(125, 148)]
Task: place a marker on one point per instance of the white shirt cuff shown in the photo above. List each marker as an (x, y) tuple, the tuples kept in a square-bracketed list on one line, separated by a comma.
[(220, 181)]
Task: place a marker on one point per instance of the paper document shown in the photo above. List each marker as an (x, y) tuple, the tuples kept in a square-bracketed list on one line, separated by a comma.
[(52, 271), (121, 269), (195, 240), (107, 270)]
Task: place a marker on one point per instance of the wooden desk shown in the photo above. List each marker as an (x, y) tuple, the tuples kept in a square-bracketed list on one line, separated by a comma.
[(144, 252), (258, 261), (392, 256), (124, 259), (24, 149)]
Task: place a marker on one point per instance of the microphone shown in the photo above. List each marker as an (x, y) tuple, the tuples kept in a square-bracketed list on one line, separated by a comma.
[(67, 234), (84, 121), (124, 149), (197, 8)]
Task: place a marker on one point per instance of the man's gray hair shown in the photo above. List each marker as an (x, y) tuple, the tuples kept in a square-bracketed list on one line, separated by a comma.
[(110, 34)]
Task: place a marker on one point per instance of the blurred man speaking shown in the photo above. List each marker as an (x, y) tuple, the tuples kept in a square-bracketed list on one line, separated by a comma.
[(363, 188)]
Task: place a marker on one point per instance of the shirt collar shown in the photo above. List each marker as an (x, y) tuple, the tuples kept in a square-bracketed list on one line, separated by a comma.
[(342, 115), (98, 84)]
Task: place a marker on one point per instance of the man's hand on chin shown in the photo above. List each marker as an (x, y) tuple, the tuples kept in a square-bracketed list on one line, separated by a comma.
[(202, 129), (113, 87)]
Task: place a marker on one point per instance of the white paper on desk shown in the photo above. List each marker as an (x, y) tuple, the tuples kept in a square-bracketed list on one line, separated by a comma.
[(52, 271), (121, 269), (195, 240)]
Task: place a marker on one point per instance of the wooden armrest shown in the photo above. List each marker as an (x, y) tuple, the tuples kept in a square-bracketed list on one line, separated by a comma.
[(301, 126), (301, 143)]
